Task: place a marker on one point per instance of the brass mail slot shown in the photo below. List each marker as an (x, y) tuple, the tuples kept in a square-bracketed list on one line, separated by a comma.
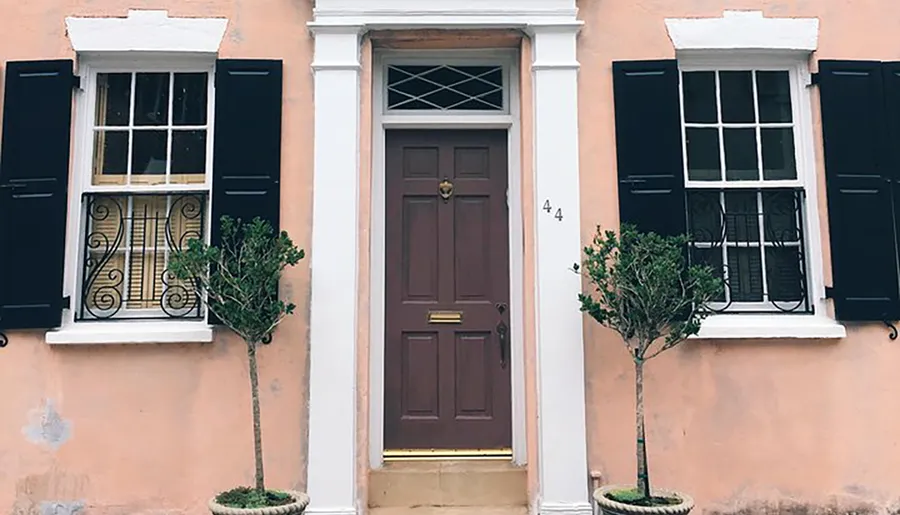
[(445, 317)]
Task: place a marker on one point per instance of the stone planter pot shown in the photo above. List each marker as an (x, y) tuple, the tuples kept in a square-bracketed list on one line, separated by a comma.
[(611, 507), (294, 508)]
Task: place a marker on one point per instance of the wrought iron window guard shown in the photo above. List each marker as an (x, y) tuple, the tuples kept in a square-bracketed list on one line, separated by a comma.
[(128, 239), (755, 238)]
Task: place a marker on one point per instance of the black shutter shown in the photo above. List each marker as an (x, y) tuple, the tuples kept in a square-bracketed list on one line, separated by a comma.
[(34, 173), (859, 177), (648, 146), (247, 159)]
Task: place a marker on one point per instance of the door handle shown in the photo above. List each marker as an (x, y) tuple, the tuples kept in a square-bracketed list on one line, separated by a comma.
[(503, 340)]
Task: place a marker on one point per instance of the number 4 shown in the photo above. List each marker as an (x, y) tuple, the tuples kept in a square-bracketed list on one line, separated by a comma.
[(547, 207), (558, 214)]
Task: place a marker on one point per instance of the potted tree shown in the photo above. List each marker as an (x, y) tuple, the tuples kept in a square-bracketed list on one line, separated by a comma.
[(644, 290), (238, 283)]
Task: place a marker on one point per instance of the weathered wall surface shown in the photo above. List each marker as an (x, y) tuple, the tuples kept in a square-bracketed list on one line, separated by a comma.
[(134, 429), (745, 426)]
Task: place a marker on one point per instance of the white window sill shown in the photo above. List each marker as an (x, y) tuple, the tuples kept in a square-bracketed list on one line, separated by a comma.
[(770, 326), (89, 333)]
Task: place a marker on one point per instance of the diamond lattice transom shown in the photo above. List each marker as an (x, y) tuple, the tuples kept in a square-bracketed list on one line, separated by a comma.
[(445, 88)]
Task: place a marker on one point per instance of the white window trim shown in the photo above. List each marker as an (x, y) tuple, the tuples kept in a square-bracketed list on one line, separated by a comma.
[(122, 331), (818, 325), (146, 31), (744, 30)]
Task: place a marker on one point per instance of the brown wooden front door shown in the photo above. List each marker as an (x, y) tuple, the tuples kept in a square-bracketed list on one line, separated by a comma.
[(447, 384)]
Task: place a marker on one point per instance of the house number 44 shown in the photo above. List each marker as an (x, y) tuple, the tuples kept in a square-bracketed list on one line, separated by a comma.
[(548, 208)]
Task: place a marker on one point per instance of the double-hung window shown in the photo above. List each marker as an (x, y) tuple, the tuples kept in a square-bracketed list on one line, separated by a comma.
[(715, 151), (146, 193)]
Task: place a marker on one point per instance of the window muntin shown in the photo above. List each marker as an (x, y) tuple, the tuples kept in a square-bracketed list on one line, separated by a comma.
[(147, 194), (745, 199), (445, 87)]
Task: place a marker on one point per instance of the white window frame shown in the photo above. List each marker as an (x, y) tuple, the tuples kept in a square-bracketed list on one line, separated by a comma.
[(131, 330), (819, 324)]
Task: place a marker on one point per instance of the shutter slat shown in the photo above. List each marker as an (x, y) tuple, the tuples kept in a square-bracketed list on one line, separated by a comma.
[(34, 174), (648, 145), (859, 176), (247, 160)]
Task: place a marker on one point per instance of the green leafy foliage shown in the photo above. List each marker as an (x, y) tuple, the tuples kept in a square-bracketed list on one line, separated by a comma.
[(240, 278), (245, 497), (635, 497), (644, 289)]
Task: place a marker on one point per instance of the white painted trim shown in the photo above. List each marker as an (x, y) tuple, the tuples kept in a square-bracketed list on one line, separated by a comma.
[(146, 31), (566, 508), (789, 326), (334, 262), (562, 426), (770, 326), (446, 120), (91, 333), (747, 30)]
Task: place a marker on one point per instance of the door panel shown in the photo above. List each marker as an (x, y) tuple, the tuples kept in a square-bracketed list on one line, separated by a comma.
[(447, 377)]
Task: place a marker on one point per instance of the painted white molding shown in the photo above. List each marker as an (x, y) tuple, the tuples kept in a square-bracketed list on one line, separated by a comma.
[(574, 508), (398, 14), (146, 31), (562, 433), (91, 333), (509, 120), (334, 264), (770, 326), (747, 30), (335, 511)]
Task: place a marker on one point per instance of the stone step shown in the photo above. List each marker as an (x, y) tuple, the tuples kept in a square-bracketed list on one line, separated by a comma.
[(448, 484), (451, 510)]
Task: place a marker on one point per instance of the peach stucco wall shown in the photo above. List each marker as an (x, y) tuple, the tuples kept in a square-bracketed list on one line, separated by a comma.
[(756, 425), (159, 428)]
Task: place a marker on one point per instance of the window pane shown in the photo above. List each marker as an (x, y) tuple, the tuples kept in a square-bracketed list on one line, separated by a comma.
[(148, 155), (705, 216), (189, 105), (778, 154), (700, 97), (188, 156), (151, 99), (110, 157), (712, 257), (740, 155), (745, 274), (784, 277), (113, 99), (442, 87), (737, 97), (741, 216), (703, 154), (780, 221), (774, 89)]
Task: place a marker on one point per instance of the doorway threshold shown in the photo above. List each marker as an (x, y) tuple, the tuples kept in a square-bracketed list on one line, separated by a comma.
[(447, 454)]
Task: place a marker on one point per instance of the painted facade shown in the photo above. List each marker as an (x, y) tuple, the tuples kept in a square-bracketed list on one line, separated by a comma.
[(766, 413)]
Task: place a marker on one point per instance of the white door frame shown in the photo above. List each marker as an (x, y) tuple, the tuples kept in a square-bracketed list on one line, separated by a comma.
[(509, 119)]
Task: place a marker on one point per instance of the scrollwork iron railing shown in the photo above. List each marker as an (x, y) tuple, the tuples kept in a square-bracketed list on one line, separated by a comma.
[(755, 238), (127, 244)]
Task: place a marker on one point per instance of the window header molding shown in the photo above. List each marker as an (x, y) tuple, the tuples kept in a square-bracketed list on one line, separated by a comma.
[(146, 31), (744, 30)]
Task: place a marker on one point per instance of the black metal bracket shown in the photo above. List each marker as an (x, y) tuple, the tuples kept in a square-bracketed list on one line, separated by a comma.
[(4, 340), (893, 334)]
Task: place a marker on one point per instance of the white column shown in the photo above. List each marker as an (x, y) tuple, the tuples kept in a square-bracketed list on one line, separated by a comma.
[(334, 265), (562, 436)]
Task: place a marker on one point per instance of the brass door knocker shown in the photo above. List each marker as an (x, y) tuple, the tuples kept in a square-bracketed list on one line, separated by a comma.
[(445, 188)]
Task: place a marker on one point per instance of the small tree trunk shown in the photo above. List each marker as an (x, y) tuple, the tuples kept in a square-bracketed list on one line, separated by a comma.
[(643, 477), (257, 426)]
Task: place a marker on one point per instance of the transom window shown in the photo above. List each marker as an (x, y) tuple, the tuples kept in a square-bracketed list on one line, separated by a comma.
[(148, 192), (444, 87), (746, 200)]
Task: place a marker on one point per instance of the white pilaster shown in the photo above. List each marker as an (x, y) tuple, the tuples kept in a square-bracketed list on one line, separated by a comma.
[(334, 264), (562, 436)]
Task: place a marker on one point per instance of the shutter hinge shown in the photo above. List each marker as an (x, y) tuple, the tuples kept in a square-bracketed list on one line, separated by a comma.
[(829, 292), (67, 302), (76, 82), (813, 79)]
